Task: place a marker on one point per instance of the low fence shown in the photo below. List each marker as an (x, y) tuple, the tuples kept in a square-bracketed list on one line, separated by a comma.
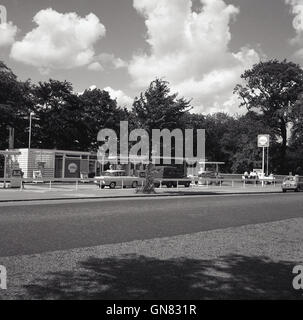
[(178, 183)]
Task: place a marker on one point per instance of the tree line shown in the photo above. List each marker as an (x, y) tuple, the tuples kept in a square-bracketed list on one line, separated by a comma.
[(271, 93)]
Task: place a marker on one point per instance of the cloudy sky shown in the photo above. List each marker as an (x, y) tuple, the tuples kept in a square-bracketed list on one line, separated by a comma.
[(200, 46)]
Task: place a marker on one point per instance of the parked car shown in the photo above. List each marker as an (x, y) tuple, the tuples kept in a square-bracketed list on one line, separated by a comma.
[(294, 183), (172, 177), (267, 179), (257, 176), (117, 178), (210, 177)]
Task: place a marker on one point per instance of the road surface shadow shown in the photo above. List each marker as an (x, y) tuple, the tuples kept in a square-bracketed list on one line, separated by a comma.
[(139, 277), (209, 193)]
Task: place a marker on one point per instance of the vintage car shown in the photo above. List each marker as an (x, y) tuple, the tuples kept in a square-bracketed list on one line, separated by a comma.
[(210, 177), (117, 178), (171, 177), (294, 183)]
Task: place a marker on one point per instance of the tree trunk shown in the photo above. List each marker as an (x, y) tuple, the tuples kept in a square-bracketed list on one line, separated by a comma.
[(149, 187), (149, 182)]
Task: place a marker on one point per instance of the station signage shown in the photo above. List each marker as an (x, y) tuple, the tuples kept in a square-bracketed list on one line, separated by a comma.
[(72, 168), (263, 140)]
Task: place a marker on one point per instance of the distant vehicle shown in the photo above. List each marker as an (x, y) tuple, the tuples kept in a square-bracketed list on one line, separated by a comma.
[(252, 177), (257, 176), (173, 173), (117, 178), (294, 183), (267, 179), (84, 177), (210, 177)]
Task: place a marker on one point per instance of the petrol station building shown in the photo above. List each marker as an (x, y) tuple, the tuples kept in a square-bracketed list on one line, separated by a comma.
[(64, 164), (58, 164)]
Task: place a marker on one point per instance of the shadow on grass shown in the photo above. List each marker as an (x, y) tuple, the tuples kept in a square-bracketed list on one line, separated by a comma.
[(140, 277)]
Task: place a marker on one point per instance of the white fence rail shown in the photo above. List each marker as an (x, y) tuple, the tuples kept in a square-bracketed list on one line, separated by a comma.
[(195, 183)]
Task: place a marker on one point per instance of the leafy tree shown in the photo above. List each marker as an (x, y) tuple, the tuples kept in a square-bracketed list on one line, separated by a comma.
[(271, 88), (296, 143), (66, 120), (239, 143), (58, 116), (100, 111), (233, 139), (15, 106), (157, 108), (217, 126)]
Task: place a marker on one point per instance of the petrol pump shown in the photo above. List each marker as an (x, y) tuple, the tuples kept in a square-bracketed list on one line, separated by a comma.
[(16, 178)]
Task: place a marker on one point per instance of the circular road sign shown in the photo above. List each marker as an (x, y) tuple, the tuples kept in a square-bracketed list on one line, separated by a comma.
[(263, 140)]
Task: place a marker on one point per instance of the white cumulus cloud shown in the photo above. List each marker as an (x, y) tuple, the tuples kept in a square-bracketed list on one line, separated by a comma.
[(297, 11), (60, 41), (123, 100), (7, 34), (106, 60), (95, 66), (190, 49)]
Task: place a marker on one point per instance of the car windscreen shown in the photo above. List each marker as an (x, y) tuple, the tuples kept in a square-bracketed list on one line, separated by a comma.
[(108, 174), (289, 179)]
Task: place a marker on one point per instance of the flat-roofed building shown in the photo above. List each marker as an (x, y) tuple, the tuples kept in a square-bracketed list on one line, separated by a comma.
[(57, 163)]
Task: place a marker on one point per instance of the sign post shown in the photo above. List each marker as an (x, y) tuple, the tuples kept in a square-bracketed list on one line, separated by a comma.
[(263, 142)]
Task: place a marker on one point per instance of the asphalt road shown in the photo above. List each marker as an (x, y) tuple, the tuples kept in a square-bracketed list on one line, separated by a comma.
[(37, 228)]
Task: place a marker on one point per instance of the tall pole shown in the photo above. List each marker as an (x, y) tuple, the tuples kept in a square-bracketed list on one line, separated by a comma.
[(263, 165), (30, 131), (267, 171), (5, 164), (29, 141), (11, 137), (263, 160)]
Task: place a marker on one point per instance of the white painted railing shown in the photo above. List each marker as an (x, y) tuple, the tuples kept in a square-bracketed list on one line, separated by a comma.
[(76, 182)]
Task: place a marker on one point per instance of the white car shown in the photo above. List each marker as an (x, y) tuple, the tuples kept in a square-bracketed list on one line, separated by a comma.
[(294, 183), (117, 178)]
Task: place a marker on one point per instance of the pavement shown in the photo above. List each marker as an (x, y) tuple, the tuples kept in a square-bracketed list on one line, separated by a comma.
[(188, 247), (86, 191)]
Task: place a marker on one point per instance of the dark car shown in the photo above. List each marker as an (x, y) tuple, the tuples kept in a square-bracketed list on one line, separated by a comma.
[(170, 176)]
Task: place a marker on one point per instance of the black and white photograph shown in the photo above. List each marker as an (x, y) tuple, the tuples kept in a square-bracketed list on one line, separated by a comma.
[(151, 153)]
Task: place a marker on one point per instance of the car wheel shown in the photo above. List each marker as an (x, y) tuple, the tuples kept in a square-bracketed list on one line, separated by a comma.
[(134, 184), (112, 185)]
